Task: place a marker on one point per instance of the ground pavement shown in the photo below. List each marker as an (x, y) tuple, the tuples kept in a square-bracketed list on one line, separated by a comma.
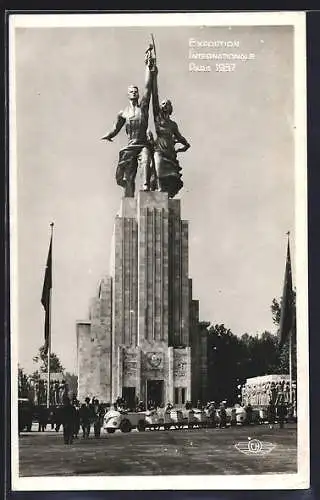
[(186, 451)]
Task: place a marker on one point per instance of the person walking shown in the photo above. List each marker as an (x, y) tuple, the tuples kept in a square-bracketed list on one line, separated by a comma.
[(233, 421), (86, 417), (43, 418), (223, 416), (281, 414), (68, 418), (271, 414), (58, 418), (76, 424), (249, 412), (98, 418)]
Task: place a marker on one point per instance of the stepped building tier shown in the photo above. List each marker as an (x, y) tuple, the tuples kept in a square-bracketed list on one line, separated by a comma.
[(143, 340)]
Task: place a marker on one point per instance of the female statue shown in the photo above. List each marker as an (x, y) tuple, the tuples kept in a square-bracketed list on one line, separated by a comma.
[(168, 135)]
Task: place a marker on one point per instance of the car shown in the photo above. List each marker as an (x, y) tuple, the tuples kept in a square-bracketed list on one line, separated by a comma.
[(263, 415), (123, 420), (200, 418), (212, 416), (177, 418), (157, 418), (192, 417), (25, 414), (241, 415), (256, 417)]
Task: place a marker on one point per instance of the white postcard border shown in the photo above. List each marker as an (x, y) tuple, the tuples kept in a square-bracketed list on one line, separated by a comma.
[(206, 482)]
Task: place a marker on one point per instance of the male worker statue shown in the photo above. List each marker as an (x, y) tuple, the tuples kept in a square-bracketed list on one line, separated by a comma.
[(135, 118)]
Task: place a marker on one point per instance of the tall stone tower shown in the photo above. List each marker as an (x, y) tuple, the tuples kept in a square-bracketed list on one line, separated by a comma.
[(143, 340)]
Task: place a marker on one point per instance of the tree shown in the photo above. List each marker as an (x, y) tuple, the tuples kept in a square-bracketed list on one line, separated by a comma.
[(276, 311), (276, 308), (72, 381), (55, 364), (224, 364), (23, 384), (233, 359), (262, 354)]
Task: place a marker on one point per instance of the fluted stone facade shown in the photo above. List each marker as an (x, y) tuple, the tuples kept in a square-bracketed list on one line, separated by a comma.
[(94, 348), (144, 340)]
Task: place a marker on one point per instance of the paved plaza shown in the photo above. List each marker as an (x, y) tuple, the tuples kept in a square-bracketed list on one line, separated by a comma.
[(186, 451)]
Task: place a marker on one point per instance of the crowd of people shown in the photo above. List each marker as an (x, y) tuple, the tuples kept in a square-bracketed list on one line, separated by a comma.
[(277, 410), (37, 392), (262, 393), (75, 417)]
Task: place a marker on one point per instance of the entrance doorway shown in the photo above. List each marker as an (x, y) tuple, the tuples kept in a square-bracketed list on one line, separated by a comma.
[(129, 396), (154, 392), (180, 396)]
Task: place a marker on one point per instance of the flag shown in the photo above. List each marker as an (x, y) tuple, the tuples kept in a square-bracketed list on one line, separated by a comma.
[(287, 304), (46, 295)]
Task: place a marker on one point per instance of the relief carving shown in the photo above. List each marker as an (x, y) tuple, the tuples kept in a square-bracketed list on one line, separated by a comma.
[(130, 364), (155, 360)]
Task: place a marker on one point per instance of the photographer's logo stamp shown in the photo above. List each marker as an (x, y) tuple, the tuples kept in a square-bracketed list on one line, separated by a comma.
[(254, 447)]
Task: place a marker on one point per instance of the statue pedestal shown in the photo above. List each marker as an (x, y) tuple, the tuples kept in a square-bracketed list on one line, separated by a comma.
[(144, 325)]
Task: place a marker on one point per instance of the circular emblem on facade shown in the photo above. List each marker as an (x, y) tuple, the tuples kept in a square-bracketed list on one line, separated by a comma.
[(154, 359)]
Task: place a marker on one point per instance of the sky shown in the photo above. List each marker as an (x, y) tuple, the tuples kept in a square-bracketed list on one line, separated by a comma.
[(238, 175)]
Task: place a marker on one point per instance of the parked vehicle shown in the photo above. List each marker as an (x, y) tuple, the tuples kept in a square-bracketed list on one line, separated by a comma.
[(263, 414), (190, 419), (199, 418), (212, 417), (25, 413), (159, 418), (236, 415), (177, 418), (153, 420), (125, 421), (256, 416), (165, 418)]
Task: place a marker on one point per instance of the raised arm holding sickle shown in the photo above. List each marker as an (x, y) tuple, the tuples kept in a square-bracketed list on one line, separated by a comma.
[(135, 118), (168, 135)]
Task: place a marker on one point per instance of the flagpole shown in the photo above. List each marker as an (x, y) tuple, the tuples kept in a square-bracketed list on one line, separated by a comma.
[(290, 365), (49, 332), (287, 314), (49, 354), (290, 345)]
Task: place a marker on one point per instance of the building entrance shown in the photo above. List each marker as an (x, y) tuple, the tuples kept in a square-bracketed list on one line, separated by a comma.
[(129, 396), (154, 392)]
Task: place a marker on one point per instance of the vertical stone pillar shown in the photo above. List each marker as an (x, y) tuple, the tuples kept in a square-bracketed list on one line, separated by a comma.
[(189, 374), (185, 337), (164, 276), (117, 273), (133, 282), (138, 380), (152, 215), (120, 373), (142, 275), (174, 273), (125, 273), (178, 286), (170, 385), (83, 358)]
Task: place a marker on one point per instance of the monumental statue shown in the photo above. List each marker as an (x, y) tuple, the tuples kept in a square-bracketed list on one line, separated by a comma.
[(157, 158), (135, 118), (168, 135)]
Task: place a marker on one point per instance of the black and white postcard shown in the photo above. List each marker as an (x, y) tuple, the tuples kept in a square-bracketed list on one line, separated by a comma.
[(158, 251)]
